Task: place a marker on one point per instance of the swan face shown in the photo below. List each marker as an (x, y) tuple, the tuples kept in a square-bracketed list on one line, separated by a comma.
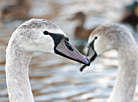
[(80, 16), (102, 39), (42, 35), (105, 37)]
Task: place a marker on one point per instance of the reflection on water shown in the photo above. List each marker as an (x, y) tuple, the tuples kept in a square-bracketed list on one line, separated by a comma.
[(56, 79)]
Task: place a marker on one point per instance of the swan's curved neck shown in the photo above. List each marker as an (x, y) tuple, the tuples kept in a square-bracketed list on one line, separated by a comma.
[(125, 84), (81, 22), (17, 62)]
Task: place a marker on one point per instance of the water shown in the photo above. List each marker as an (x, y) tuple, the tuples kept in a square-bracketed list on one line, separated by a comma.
[(54, 78)]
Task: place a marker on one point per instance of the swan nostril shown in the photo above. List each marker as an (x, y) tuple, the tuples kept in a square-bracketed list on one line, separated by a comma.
[(66, 38), (68, 46)]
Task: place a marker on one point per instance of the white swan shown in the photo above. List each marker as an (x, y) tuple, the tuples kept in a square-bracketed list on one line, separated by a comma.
[(33, 35), (114, 36)]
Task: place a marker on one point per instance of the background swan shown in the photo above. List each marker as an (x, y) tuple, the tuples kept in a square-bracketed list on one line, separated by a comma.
[(114, 36), (80, 31), (33, 35), (18, 10)]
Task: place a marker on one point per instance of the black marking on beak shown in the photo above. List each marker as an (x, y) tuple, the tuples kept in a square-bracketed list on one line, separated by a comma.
[(57, 52), (65, 49), (58, 37), (66, 38), (92, 59), (91, 46), (68, 45)]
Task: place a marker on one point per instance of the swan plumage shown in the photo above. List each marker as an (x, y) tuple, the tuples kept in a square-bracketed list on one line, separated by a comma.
[(115, 36), (31, 36)]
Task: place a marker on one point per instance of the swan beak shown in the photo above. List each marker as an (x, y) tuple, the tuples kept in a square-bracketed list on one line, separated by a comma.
[(64, 48), (91, 54)]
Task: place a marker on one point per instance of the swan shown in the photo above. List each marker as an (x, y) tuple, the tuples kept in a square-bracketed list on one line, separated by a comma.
[(80, 31), (18, 10), (115, 36), (31, 36)]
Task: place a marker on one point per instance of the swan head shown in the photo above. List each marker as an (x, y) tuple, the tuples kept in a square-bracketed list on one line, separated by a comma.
[(105, 37), (79, 16), (43, 35)]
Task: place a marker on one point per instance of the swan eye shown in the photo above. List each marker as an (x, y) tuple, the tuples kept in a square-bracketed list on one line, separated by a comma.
[(96, 37), (45, 32)]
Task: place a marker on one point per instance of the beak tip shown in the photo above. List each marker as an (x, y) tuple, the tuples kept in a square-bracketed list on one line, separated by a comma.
[(88, 62)]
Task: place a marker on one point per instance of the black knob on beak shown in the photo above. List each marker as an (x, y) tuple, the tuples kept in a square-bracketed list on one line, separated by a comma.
[(68, 45)]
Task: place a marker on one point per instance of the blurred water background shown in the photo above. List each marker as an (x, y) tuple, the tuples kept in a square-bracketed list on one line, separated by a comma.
[(57, 79)]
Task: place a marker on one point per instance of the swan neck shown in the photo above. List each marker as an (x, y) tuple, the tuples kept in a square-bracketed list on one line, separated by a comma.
[(17, 62), (81, 23), (125, 84)]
